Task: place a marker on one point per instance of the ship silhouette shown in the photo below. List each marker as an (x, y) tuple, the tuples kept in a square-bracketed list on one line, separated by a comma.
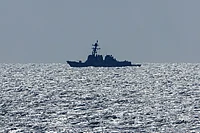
[(96, 60)]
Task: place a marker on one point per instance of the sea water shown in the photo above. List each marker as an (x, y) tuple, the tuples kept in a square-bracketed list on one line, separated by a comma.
[(57, 98)]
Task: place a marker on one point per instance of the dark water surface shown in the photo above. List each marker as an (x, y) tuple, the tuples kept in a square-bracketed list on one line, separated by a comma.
[(54, 97)]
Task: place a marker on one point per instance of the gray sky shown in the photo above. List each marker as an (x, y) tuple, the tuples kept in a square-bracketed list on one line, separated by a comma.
[(136, 30)]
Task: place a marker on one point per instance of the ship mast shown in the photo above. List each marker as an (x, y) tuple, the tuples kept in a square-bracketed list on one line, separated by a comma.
[(95, 48)]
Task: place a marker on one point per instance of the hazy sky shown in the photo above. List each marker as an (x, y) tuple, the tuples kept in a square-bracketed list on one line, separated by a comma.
[(136, 30)]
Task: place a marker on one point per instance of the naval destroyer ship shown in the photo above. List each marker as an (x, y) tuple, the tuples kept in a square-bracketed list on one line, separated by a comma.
[(97, 60)]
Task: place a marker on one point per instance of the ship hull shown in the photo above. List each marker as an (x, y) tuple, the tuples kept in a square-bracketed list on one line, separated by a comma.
[(119, 64), (76, 64)]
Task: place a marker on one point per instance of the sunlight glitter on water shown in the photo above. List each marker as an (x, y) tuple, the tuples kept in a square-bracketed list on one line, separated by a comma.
[(55, 97)]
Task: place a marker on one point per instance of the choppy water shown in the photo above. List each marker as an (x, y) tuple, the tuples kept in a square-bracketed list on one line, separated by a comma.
[(55, 97)]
